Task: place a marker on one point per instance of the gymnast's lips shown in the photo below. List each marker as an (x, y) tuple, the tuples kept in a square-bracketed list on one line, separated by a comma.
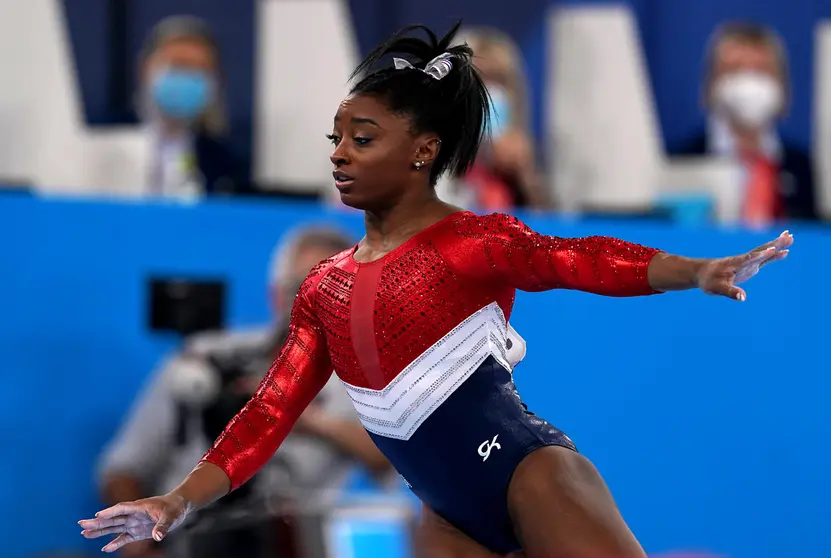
[(342, 180)]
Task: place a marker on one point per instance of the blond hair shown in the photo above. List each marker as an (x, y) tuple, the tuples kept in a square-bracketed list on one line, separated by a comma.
[(500, 49)]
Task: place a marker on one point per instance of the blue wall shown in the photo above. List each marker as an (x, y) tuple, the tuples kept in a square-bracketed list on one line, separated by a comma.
[(709, 418)]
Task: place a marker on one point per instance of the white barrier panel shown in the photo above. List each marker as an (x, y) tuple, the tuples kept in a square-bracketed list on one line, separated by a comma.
[(120, 160), (603, 129), (822, 117), (306, 50), (718, 178), (41, 125)]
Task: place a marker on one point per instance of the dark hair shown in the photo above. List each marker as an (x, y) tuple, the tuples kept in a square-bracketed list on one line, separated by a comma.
[(456, 107)]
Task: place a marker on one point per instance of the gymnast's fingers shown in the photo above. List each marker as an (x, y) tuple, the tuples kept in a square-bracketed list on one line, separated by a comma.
[(779, 256), (119, 541), (94, 524), (95, 533), (124, 508), (753, 258)]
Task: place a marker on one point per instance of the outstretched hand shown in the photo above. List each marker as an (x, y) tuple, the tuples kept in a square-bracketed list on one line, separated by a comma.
[(720, 276), (136, 521)]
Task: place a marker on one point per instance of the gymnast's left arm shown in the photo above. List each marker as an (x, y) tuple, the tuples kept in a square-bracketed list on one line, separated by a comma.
[(512, 252)]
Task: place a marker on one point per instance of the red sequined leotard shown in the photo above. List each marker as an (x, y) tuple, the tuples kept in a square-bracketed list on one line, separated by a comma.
[(405, 331)]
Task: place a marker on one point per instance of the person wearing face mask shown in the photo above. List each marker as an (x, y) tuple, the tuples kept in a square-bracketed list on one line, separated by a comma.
[(745, 95), (506, 174), (181, 101)]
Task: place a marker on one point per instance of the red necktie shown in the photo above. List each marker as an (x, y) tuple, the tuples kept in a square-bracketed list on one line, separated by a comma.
[(760, 202)]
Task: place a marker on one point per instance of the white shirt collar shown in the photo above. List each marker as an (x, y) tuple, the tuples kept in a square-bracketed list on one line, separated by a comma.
[(163, 142), (720, 140), (171, 172)]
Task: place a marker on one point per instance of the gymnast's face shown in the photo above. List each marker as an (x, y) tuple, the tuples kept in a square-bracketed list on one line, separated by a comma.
[(376, 153)]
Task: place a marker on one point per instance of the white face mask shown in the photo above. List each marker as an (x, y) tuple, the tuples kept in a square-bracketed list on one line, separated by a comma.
[(753, 99)]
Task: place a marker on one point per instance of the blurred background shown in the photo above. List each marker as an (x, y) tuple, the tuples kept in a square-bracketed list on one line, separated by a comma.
[(166, 185)]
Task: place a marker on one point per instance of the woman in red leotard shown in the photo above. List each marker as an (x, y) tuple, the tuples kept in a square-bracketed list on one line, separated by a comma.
[(415, 321)]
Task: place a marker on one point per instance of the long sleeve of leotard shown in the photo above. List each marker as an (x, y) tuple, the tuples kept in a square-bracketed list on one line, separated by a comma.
[(294, 379), (507, 250)]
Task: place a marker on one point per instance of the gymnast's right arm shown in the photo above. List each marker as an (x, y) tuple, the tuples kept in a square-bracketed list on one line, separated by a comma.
[(248, 442)]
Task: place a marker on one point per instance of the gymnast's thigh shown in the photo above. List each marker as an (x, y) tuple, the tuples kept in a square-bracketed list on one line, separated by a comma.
[(436, 538), (561, 508)]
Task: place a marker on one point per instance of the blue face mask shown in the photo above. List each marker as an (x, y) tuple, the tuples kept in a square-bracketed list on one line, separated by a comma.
[(500, 111), (182, 94)]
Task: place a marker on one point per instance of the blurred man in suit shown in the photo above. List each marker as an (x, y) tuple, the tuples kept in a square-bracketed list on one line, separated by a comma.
[(746, 92), (182, 104)]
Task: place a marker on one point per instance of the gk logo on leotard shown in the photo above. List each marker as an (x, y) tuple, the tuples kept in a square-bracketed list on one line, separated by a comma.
[(487, 446)]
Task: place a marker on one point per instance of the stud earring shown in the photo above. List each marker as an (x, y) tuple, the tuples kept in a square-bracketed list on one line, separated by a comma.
[(418, 165)]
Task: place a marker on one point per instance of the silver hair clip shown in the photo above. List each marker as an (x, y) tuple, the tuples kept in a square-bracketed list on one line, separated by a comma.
[(437, 68)]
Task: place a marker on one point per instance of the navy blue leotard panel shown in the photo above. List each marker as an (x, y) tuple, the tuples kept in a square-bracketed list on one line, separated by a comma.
[(461, 459)]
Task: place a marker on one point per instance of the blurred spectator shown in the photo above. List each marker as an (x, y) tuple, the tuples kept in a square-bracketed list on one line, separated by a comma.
[(746, 92), (505, 175), (195, 393), (182, 101)]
